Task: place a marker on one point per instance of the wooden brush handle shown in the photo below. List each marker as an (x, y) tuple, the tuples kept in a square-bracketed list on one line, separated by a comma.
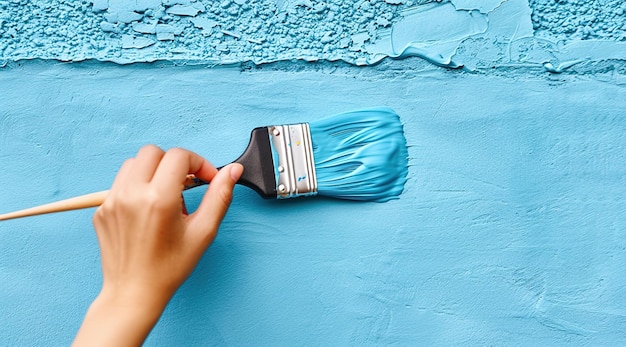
[(83, 201)]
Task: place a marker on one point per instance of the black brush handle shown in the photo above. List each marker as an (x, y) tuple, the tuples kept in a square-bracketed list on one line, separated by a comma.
[(258, 164)]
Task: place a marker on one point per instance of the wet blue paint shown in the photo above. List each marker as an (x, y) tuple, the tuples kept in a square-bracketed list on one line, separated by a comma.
[(360, 155)]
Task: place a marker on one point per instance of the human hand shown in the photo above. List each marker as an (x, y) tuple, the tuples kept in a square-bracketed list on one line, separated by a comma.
[(149, 245)]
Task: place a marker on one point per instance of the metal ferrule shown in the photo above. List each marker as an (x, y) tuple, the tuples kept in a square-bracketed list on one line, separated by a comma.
[(293, 159)]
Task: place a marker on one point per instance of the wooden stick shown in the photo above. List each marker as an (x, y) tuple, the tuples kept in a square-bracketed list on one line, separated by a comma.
[(75, 203), (83, 201)]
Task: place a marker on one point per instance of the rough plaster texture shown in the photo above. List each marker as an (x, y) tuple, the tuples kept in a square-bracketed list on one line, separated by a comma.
[(475, 35), (511, 229)]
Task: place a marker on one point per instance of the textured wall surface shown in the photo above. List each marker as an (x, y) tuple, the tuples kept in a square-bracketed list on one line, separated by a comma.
[(512, 226)]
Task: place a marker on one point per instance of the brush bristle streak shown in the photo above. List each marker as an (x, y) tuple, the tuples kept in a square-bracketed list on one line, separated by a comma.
[(360, 155), (294, 166)]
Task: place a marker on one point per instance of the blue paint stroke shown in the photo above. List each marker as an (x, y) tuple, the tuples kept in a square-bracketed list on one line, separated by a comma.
[(360, 155)]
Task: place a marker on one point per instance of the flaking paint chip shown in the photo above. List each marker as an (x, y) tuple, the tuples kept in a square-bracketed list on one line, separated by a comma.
[(163, 36), (129, 41), (183, 10)]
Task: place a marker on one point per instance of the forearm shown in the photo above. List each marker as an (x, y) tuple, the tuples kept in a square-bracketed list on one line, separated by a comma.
[(115, 319)]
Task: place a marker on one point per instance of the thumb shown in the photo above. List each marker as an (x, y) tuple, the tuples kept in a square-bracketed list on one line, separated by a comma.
[(207, 218)]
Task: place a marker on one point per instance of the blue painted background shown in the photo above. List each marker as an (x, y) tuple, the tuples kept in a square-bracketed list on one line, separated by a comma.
[(511, 229)]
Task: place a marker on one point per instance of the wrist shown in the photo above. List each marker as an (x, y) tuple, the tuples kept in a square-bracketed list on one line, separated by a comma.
[(134, 300), (120, 318)]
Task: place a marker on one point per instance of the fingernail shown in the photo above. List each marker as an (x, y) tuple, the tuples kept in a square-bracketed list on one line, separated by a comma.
[(235, 171)]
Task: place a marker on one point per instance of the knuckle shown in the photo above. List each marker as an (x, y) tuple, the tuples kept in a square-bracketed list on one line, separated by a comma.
[(98, 216), (149, 153), (103, 212), (128, 162), (177, 152), (108, 207), (144, 150), (151, 147), (157, 201)]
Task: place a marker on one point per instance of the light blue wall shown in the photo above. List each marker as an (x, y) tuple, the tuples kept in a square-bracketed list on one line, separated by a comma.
[(511, 229)]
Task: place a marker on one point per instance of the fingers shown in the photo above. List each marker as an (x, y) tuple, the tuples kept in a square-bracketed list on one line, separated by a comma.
[(138, 169), (174, 167), (207, 218), (167, 172), (124, 175), (146, 162)]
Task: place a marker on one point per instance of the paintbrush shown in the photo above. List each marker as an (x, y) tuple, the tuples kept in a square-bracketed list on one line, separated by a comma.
[(358, 155)]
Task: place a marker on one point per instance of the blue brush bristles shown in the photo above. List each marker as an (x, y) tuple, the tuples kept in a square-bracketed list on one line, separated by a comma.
[(360, 155)]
